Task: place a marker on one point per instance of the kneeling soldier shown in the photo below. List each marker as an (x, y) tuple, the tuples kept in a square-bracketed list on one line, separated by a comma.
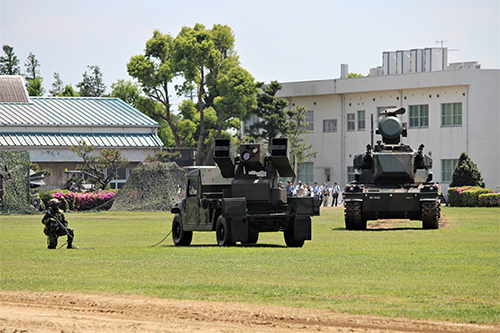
[(56, 225)]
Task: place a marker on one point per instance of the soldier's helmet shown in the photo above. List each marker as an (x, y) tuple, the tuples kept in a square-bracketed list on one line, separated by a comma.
[(54, 203)]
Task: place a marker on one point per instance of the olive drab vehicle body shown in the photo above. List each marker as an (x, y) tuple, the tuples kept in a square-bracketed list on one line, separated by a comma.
[(240, 198), (392, 181)]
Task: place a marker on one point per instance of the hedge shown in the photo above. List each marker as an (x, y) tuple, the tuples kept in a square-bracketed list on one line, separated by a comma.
[(79, 201), (489, 200), (467, 196)]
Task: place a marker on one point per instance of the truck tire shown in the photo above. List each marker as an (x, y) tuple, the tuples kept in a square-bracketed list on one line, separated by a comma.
[(223, 232), (353, 218), (253, 237), (431, 215), (179, 236), (290, 239)]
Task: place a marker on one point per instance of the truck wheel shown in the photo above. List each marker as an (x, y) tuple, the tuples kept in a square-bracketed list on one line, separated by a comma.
[(253, 237), (353, 218), (223, 232), (179, 236), (290, 240), (431, 215)]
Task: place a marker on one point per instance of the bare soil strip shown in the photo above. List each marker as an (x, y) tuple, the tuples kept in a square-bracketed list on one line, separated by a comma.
[(33, 312)]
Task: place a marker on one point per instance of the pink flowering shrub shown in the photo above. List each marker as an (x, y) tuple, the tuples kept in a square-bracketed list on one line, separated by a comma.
[(84, 201), (467, 196), (489, 200)]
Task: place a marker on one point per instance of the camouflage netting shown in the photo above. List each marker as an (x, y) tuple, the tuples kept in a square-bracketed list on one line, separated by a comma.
[(16, 183), (152, 186)]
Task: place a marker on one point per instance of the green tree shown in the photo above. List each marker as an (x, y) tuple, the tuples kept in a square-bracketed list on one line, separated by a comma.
[(57, 85), (130, 93), (205, 59), (272, 113), (9, 64), (95, 165), (297, 127), (35, 87), (208, 62), (155, 71), (350, 75), (68, 91), (92, 84), (466, 173), (32, 67), (275, 119)]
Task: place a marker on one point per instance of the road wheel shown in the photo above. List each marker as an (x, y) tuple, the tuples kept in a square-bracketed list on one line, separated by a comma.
[(223, 232), (353, 218), (431, 215), (179, 236), (290, 240)]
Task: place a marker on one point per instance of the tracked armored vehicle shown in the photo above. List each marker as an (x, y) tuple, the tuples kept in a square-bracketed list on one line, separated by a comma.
[(240, 198), (392, 181)]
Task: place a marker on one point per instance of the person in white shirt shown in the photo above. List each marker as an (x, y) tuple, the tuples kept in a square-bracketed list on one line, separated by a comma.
[(300, 189), (335, 194)]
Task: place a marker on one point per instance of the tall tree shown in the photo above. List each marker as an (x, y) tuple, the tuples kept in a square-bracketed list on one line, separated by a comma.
[(92, 84), (9, 64), (32, 75), (466, 172), (272, 113), (207, 61), (155, 71), (298, 124), (57, 85), (275, 119), (32, 67)]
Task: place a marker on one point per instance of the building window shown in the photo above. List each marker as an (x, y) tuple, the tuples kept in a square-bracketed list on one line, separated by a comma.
[(121, 177), (419, 116), (329, 125), (361, 120), (305, 172), (451, 114), (382, 109), (351, 172), (351, 122), (310, 119), (447, 167)]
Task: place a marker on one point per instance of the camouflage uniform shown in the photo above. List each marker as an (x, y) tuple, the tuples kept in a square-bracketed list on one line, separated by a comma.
[(52, 228)]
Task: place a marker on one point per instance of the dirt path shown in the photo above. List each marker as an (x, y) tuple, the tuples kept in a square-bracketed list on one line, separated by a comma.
[(32, 312)]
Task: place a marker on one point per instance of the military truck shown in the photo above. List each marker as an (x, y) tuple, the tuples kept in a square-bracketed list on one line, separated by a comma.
[(240, 198), (392, 180)]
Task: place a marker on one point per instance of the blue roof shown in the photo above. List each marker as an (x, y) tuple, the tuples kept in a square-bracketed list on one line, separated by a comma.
[(73, 111), (71, 139)]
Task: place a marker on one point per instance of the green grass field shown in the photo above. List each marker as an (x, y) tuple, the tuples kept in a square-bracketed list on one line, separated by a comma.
[(448, 274)]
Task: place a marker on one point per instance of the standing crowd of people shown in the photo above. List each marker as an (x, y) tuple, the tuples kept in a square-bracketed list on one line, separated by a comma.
[(323, 191)]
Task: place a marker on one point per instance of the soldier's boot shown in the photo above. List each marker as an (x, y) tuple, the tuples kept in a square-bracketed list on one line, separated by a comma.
[(70, 241), (70, 244), (52, 241)]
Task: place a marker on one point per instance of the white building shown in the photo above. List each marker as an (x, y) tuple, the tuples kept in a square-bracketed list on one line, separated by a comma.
[(449, 108)]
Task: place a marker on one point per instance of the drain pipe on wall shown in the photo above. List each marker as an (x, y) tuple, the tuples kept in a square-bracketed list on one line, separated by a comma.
[(466, 119), (342, 140)]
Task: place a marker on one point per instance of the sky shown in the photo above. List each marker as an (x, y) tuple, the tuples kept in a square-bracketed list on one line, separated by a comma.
[(280, 40)]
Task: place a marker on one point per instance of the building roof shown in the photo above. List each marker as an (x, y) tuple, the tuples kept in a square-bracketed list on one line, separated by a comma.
[(12, 89), (72, 111), (101, 140)]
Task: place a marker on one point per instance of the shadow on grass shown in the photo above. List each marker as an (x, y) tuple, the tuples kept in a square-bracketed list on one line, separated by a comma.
[(380, 229), (235, 246)]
